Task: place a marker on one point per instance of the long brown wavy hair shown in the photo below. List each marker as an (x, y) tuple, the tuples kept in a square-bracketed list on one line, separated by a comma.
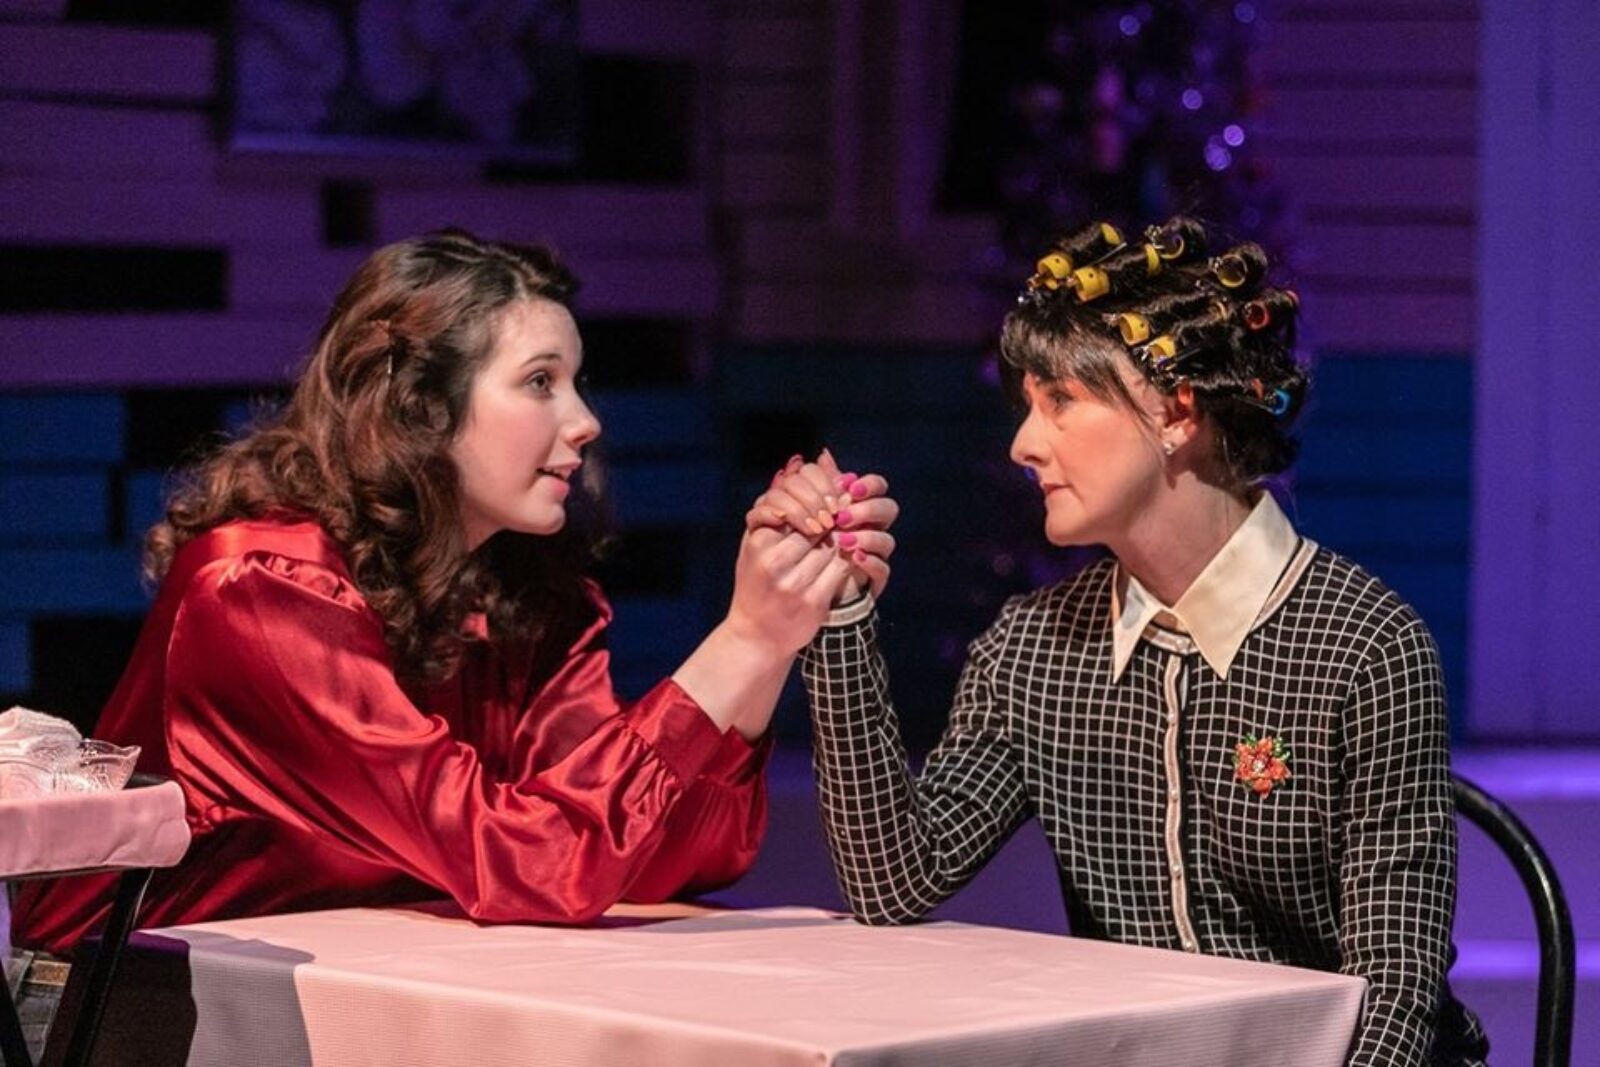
[(362, 447)]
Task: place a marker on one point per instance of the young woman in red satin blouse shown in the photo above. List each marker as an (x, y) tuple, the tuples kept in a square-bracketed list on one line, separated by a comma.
[(375, 666)]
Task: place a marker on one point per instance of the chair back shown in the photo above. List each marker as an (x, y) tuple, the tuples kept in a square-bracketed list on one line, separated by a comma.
[(1552, 1045)]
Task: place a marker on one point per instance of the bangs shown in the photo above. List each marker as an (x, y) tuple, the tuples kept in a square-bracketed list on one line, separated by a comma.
[(1054, 351)]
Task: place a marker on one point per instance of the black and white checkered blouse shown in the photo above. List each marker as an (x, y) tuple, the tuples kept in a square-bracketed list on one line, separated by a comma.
[(1348, 864)]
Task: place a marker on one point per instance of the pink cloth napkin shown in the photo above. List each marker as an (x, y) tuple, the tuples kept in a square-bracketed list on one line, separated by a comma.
[(141, 827)]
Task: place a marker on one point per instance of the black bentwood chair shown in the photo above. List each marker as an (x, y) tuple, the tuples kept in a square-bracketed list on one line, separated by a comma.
[(1552, 1043)]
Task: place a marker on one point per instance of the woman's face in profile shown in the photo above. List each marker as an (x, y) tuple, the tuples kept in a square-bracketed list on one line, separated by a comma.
[(521, 441), (1095, 459)]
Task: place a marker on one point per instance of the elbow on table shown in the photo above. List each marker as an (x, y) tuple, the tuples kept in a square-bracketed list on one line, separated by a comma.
[(661, 882), (509, 908), (884, 913)]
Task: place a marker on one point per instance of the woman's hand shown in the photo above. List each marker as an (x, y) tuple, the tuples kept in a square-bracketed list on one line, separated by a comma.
[(783, 585), (852, 511), (810, 542)]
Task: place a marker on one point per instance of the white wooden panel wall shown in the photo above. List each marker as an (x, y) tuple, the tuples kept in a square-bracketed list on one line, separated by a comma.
[(810, 118), (1369, 127), (105, 139)]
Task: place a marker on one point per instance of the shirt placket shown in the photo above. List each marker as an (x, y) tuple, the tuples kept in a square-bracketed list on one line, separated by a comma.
[(1175, 690)]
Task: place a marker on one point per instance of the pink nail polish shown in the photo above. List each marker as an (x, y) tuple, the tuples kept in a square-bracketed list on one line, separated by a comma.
[(859, 556), (847, 540), (847, 479), (858, 490), (844, 518)]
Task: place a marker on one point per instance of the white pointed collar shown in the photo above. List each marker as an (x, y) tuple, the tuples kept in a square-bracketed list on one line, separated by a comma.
[(1224, 601)]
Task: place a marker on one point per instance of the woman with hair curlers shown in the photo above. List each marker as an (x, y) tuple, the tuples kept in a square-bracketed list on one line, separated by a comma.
[(1234, 739)]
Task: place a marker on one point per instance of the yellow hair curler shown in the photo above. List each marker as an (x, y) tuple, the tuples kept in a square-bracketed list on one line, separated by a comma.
[(1053, 269), (1090, 283), (1134, 328), (1160, 350)]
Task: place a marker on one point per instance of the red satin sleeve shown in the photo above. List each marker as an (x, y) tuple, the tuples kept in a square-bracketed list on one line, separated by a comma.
[(715, 831), (282, 703)]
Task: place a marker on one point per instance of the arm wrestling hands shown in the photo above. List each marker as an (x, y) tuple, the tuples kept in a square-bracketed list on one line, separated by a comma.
[(849, 513)]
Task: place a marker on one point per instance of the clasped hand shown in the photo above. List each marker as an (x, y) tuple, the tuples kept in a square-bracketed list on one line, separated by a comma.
[(814, 539)]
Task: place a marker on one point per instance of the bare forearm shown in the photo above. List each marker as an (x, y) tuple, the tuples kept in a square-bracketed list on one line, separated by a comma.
[(736, 677)]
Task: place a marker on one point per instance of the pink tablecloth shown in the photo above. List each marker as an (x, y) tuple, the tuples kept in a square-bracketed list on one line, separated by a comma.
[(141, 827), (765, 988)]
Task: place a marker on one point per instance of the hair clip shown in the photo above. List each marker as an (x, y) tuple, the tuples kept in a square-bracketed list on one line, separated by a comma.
[(1160, 354), (382, 327), (1275, 402), (1168, 244), (1161, 349), (1177, 238)]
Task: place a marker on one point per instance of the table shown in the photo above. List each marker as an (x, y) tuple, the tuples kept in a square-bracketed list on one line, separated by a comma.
[(769, 987), (133, 830), (140, 826)]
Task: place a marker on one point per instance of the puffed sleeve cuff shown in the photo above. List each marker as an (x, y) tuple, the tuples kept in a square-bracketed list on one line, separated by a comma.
[(739, 759), (672, 723), (851, 613)]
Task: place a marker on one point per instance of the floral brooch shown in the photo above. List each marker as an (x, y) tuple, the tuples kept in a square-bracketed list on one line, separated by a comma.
[(1261, 762)]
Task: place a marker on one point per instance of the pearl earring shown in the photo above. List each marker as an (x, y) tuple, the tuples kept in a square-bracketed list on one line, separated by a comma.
[(1168, 447)]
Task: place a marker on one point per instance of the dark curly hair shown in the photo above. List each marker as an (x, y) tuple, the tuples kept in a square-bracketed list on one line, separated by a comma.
[(362, 448), (1100, 302)]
